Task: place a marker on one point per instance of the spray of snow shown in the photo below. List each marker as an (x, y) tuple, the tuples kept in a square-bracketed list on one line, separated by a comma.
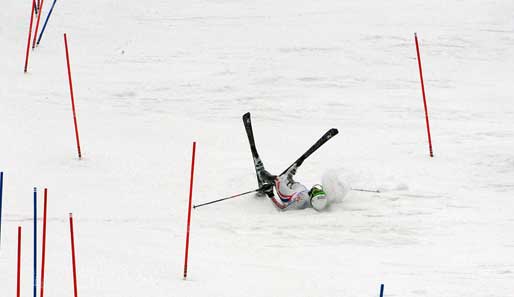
[(335, 185)]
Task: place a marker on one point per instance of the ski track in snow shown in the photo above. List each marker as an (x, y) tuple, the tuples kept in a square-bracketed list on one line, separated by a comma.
[(152, 76)]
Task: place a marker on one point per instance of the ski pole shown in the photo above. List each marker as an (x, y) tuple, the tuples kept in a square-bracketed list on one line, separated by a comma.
[(365, 190), (226, 198)]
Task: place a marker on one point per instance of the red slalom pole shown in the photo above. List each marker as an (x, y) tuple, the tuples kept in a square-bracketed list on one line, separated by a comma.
[(19, 263), (424, 97), (73, 256), (72, 98), (44, 246), (37, 23), (189, 209), (30, 33)]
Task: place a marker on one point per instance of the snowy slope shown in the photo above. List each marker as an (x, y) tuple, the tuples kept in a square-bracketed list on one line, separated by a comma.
[(151, 77)]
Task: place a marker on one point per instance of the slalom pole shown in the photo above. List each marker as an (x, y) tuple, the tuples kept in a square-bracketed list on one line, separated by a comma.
[(72, 98), (35, 240), (30, 33), (73, 256), (43, 247), (189, 208), (19, 263), (424, 97), (46, 21), (365, 190), (37, 22), (226, 198), (1, 195)]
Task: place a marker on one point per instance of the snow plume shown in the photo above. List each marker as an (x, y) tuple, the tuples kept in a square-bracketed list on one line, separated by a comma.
[(335, 185)]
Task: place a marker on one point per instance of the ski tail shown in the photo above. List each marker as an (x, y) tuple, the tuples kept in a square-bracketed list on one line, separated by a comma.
[(326, 137), (259, 166), (249, 132)]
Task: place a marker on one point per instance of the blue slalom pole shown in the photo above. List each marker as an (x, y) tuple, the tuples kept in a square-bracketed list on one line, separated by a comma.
[(46, 21), (1, 189), (35, 239), (382, 290)]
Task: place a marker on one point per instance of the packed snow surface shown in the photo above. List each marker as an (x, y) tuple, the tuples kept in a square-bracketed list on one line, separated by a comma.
[(150, 77)]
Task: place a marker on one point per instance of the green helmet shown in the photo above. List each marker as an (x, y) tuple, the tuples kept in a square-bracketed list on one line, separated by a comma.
[(318, 198)]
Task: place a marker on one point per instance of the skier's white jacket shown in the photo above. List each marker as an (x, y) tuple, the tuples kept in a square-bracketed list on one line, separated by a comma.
[(290, 194)]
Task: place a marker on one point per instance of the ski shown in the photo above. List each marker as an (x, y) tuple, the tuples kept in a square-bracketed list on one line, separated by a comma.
[(326, 137), (259, 166)]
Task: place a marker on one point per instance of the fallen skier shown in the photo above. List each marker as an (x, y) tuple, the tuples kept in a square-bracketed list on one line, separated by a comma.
[(291, 194)]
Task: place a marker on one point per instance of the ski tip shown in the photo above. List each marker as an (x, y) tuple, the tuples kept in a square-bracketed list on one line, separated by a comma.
[(334, 131), (246, 115)]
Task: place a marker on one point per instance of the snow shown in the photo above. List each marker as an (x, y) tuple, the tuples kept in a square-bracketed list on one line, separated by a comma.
[(150, 77)]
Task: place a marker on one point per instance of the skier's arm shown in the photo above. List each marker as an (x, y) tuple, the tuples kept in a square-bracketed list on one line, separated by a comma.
[(279, 205)]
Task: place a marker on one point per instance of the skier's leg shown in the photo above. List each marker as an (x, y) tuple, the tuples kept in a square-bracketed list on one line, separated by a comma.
[(265, 176), (288, 175)]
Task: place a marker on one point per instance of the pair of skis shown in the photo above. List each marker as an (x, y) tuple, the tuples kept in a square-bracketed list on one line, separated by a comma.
[(263, 177), (259, 166)]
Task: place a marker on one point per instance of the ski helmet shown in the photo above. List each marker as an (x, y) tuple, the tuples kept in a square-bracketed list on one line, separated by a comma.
[(318, 198)]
